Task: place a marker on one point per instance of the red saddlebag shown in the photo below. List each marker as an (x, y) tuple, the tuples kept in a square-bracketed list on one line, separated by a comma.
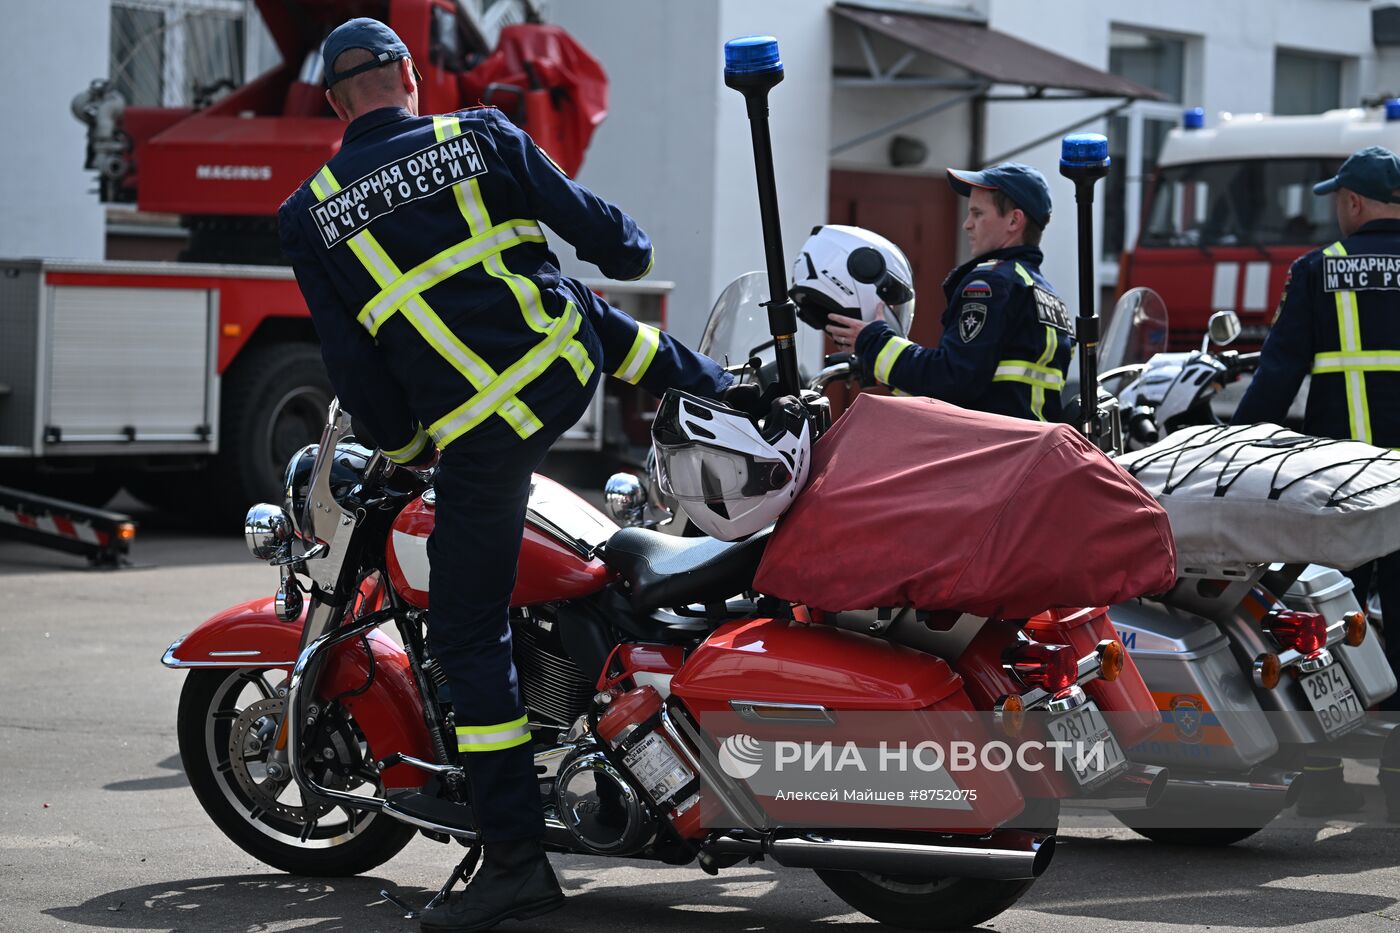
[(917, 502), (548, 85)]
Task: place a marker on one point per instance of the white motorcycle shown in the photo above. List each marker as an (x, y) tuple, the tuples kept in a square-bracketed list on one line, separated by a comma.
[(1258, 656)]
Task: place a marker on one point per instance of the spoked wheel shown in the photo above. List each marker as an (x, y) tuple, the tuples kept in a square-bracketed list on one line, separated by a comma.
[(924, 903), (228, 732)]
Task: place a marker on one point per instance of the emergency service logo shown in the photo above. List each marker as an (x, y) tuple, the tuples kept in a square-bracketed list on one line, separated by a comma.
[(971, 319), (1186, 717)]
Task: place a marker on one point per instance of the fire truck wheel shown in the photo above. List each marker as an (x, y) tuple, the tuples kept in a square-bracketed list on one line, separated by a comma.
[(274, 403)]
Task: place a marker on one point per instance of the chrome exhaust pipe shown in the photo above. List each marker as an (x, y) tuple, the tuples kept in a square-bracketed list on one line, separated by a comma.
[(1139, 788), (1020, 856), (1264, 789)]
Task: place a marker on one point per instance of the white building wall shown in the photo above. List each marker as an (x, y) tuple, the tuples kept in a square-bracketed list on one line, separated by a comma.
[(49, 208), (675, 151), (1232, 69)]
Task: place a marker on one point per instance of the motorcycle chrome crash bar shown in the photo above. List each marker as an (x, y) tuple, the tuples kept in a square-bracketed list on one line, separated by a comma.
[(304, 675)]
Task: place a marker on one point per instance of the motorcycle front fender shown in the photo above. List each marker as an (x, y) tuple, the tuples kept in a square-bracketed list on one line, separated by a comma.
[(389, 712)]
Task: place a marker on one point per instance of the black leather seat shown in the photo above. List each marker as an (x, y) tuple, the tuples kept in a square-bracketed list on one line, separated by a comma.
[(663, 570)]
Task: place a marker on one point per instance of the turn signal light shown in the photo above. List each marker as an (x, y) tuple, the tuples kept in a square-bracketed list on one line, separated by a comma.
[(1111, 656), (1010, 713), (1304, 632), (1267, 671), (126, 531), (1052, 668), (1356, 628)]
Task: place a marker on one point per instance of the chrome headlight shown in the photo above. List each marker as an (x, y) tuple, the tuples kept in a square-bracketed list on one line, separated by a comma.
[(268, 530)]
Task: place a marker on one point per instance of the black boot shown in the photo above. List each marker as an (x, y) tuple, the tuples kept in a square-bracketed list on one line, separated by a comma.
[(1390, 776), (514, 882), (1324, 791)]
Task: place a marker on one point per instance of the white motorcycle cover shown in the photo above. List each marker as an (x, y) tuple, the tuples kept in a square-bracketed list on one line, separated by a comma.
[(1263, 494)]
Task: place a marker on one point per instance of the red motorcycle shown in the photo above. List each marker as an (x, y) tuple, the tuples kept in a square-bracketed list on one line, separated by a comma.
[(320, 745)]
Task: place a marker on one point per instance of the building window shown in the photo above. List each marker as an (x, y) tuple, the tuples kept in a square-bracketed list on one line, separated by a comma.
[(1306, 83), (177, 53), (1136, 134)]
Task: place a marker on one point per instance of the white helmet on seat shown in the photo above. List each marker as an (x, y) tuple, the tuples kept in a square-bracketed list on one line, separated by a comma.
[(731, 478), (852, 271)]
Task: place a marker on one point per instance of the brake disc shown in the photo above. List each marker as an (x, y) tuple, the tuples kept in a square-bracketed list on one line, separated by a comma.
[(251, 739)]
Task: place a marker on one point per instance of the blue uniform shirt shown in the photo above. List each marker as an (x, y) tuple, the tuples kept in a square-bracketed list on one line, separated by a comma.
[(441, 309), (1005, 347), (1338, 320)]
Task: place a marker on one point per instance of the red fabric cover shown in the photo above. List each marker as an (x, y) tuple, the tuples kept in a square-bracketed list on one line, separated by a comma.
[(565, 89), (918, 502)]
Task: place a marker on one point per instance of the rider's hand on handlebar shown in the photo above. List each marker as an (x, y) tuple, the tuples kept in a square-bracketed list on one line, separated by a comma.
[(749, 398)]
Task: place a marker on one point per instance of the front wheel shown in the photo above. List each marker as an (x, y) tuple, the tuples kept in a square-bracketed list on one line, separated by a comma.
[(927, 903), (227, 729)]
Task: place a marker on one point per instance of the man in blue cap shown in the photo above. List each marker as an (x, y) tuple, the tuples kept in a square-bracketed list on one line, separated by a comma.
[(446, 325), (1007, 336), (1339, 320)]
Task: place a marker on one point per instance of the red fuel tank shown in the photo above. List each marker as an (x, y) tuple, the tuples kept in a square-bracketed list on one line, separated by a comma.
[(560, 529)]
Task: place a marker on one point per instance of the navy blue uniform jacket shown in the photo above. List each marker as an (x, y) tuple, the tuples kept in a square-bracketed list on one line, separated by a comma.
[(441, 309), (1005, 347), (1339, 320)]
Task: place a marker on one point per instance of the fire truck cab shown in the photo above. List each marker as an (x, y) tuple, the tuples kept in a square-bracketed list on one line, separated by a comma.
[(1231, 206)]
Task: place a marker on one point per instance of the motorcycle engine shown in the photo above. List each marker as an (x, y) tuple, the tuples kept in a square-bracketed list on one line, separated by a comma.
[(598, 806)]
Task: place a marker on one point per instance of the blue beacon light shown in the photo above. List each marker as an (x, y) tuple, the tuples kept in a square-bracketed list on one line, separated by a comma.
[(1392, 109), (1194, 118), (751, 55), (1084, 150)]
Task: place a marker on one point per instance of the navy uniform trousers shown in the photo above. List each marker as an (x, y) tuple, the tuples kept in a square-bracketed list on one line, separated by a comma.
[(482, 494)]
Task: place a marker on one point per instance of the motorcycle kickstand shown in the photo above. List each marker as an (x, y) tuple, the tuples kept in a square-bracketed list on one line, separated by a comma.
[(463, 870)]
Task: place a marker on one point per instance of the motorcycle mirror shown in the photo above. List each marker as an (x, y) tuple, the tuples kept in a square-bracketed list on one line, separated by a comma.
[(625, 498), (1222, 329)]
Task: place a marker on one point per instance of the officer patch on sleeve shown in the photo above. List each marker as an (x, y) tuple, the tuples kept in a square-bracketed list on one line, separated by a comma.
[(1052, 311), (971, 318), (977, 289), (389, 187)]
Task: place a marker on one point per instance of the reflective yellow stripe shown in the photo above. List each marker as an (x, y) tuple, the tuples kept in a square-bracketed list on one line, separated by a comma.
[(410, 451), (1366, 362), (1349, 333), (1038, 388), (643, 351), (884, 362), (1025, 276), (468, 415), (1031, 374), (493, 738), (444, 265), (651, 261), (384, 272), (526, 292)]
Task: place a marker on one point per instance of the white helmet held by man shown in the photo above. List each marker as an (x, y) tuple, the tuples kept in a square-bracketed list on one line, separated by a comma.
[(731, 478), (854, 272)]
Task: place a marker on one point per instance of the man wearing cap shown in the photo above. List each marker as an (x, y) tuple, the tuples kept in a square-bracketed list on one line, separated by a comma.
[(1339, 320), (1006, 334), (446, 325)]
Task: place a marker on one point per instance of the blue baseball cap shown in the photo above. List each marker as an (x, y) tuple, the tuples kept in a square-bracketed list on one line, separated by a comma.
[(361, 33), (1373, 172), (1025, 186)]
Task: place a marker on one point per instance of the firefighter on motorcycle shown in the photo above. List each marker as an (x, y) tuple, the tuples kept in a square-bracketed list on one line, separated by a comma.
[(446, 325)]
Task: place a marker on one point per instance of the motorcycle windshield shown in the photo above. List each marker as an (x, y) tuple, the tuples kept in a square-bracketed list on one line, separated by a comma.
[(1137, 330), (737, 329)]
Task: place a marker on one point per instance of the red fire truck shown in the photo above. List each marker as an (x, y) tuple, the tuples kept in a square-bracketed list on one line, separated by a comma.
[(190, 383), (1231, 206)]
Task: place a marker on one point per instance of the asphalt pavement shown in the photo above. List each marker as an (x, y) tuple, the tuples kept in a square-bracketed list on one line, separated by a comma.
[(99, 830)]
